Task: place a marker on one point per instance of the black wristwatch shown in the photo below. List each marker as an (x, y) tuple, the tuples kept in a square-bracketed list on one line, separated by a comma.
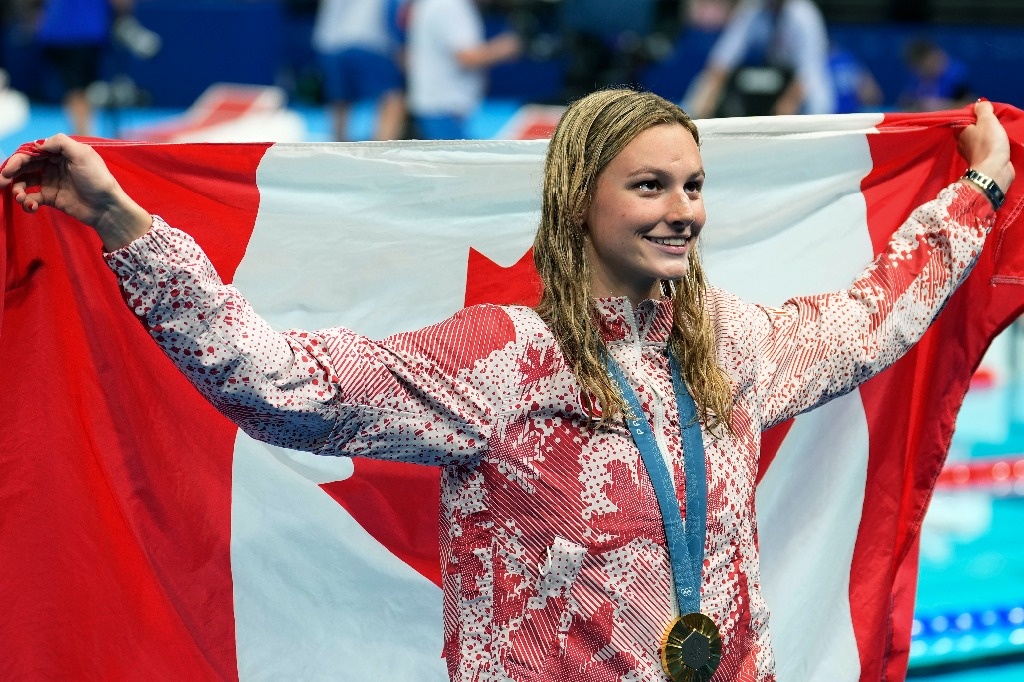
[(988, 186)]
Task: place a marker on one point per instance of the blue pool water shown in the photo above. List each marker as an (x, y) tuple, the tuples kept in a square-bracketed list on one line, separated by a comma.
[(970, 599)]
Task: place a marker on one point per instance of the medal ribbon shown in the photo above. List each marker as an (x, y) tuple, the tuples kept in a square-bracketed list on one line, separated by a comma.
[(685, 539)]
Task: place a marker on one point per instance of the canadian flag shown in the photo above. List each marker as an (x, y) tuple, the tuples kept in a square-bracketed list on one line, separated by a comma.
[(144, 537)]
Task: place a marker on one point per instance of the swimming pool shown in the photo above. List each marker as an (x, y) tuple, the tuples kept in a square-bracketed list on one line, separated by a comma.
[(970, 597)]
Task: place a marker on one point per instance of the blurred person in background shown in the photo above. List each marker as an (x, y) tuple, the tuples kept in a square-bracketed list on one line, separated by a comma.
[(856, 87), (73, 35), (447, 59), (358, 45), (771, 59), (707, 15), (937, 81), (605, 46)]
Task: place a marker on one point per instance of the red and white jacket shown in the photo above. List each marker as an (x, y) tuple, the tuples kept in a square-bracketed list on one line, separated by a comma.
[(553, 549)]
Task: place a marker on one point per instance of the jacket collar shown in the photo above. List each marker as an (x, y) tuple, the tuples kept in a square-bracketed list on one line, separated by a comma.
[(620, 322)]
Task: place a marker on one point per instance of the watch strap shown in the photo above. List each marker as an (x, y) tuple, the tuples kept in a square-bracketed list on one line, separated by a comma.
[(988, 186)]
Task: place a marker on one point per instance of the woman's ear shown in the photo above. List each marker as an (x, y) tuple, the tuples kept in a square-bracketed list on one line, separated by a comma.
[(581, 222)]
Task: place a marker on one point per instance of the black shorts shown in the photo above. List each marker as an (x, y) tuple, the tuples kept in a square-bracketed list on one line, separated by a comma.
[(77, 65)]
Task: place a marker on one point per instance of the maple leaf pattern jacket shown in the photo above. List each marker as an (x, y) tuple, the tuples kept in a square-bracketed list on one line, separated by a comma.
[(553, 550)]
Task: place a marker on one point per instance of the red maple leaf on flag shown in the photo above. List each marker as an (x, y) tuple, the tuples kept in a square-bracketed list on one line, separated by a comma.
[(398, 503)]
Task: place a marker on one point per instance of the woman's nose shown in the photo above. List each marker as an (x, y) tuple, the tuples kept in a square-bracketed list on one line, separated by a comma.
[(680, 209)]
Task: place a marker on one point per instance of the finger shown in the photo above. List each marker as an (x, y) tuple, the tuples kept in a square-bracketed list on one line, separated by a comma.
[(22, 165), (13, 166), (26, 158), (30, 201), (62, 145), (983, 108), (55, 144), (27, 183)]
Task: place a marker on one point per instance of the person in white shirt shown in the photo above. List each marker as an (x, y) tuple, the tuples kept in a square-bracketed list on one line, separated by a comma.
[(448, 55), (356, 42), (771, 59)]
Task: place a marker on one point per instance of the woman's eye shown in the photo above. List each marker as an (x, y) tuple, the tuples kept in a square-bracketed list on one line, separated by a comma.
[(693, 187), (648, 185)]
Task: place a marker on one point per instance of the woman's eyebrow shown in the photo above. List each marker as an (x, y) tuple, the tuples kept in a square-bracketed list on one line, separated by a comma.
[(654, 170)]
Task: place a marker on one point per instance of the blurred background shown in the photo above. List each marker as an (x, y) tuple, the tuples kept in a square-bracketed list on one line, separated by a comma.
[(156, 58), (309, 70)]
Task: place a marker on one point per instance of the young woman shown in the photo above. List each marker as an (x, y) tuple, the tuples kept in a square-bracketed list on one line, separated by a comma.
[(597, 521)]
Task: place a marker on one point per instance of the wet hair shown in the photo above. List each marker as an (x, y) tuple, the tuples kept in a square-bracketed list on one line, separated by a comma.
[(592, 132)]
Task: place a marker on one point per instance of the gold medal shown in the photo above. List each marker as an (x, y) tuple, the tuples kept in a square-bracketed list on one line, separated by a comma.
[(691, 648)]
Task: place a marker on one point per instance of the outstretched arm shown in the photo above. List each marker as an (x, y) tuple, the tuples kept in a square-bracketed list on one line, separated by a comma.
[(330, 391), (72, 177), (814, 348)]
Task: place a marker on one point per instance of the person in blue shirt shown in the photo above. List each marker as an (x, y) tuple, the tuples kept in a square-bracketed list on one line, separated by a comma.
[(72, 36), (938, 81), (359, 44), (855, 86)]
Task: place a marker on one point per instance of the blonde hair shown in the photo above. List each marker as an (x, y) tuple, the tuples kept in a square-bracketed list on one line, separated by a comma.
[(591, 132)]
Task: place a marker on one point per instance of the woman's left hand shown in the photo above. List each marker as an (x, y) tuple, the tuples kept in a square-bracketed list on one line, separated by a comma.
[(986, 146)]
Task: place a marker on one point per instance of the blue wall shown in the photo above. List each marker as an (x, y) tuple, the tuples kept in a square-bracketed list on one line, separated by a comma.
[(262, 42), (206, 41), (994, 55)]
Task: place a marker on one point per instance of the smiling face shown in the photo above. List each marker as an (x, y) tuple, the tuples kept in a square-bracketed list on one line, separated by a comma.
[(646, 213)]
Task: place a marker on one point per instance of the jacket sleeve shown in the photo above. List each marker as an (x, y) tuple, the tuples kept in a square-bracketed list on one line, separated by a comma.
[(814, 348), (421, 396)]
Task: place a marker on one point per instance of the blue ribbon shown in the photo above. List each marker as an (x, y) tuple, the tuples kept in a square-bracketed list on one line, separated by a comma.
[(685, 539)]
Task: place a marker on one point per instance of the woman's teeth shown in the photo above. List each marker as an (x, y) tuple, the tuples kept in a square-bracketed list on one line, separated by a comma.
[(670, 241)]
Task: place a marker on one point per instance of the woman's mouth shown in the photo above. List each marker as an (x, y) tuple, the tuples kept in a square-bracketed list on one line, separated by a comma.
[(669, 241)]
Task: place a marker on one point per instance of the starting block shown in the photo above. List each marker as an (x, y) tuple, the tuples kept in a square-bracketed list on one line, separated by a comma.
[(228, 112)]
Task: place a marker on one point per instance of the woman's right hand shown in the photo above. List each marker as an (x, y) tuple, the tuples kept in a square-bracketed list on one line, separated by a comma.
[(72, 177)]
